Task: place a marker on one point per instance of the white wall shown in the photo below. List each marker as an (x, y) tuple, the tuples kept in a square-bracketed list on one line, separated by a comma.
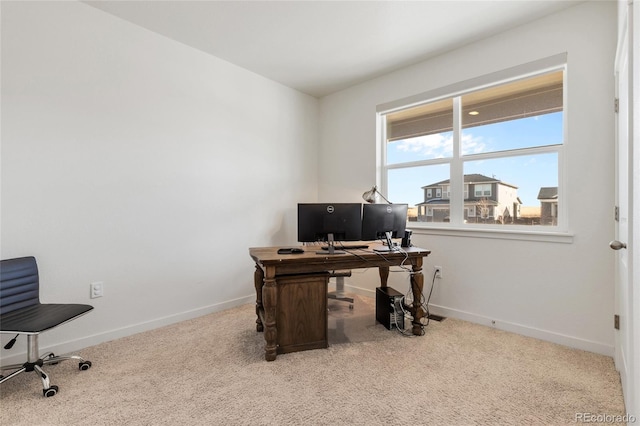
[(123, 150), (132, 159), (556, 291)]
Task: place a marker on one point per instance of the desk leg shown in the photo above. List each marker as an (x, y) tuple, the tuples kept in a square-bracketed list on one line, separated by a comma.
[(417, 284), (270, 303), (258, 281), (384, 275)]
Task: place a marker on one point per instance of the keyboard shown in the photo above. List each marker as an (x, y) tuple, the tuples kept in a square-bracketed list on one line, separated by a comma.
[(347, 247)]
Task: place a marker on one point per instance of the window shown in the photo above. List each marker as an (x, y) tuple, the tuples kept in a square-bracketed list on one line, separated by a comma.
[(483, 190), (491, 151)]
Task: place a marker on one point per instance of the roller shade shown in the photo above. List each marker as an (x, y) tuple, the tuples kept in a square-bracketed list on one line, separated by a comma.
[(521, 99)]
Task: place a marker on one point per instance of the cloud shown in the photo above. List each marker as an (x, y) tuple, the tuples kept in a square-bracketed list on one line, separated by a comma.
[(472, 144), (440, 146), (430, 146)]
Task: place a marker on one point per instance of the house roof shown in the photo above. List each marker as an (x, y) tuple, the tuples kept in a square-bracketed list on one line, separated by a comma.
[(548, 193), (471, 178)]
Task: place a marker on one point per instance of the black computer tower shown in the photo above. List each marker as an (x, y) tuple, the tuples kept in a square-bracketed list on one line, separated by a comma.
[(388, 311)]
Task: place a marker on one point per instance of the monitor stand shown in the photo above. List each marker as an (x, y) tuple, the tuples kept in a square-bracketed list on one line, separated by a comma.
[(332, 249), (389, 247)]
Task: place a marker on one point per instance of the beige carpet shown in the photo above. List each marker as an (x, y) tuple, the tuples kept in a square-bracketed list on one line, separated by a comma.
[(211, 371)]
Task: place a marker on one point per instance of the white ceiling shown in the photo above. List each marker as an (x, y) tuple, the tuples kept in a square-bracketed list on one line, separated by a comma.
[(320, 47)]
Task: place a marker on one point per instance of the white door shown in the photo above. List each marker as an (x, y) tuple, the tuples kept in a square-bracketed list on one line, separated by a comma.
[(625, 335)]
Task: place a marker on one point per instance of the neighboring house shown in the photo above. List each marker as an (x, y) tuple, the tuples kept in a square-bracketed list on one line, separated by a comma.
[(548, 197), (486, 200)]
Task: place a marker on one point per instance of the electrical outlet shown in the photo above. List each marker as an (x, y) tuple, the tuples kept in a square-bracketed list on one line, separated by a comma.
[(96, 289), (438, 271)]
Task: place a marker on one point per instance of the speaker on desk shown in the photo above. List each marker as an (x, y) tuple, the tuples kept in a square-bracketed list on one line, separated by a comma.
[(388, 310), (406, 240)]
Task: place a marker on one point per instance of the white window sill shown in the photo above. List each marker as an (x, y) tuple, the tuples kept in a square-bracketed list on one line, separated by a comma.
[(510, 233)]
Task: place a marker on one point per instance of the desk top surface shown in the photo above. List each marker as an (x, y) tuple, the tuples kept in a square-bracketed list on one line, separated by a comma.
[(314, 254)]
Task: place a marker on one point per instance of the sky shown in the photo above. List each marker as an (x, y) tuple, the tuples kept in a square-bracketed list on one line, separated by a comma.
[(528, 172)]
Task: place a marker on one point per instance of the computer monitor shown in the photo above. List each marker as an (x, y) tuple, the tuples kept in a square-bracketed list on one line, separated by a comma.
[(384, 222), (329, 222)]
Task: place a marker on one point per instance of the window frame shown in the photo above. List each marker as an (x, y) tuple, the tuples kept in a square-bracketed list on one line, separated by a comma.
[(456, 226)]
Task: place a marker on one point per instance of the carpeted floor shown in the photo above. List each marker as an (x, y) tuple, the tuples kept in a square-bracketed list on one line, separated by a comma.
[(211, 371)]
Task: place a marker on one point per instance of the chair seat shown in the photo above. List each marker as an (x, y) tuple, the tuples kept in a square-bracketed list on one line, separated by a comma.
[(38, 318)]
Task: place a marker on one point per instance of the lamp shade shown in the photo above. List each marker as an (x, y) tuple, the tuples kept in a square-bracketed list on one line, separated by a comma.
[(370, 195)]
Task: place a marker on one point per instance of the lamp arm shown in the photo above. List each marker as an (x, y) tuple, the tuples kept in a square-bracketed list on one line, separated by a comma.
[(383, 197)]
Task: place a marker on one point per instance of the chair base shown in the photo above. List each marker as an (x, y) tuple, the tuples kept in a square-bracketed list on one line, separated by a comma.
[(36, 365), (339, 294)]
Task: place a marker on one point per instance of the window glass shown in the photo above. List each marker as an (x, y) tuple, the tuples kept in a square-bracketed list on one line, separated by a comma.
[(427, 147), (517, 185), (506, 145), (521, 114), (421, 188), (420, 133), (542, 130)]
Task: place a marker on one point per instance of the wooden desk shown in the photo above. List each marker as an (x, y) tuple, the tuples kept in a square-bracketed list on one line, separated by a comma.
[(272, 267)]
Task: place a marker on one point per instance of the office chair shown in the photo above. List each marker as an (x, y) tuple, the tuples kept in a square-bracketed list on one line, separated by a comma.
[(339, 293), (22, 313)]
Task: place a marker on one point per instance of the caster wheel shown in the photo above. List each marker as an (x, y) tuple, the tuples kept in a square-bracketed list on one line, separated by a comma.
[(50, 392), (52, 355), (85, 365), (351, 307)]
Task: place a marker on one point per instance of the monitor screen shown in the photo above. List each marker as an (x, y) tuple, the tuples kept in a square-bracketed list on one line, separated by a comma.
[(342, 220), (383, 221)]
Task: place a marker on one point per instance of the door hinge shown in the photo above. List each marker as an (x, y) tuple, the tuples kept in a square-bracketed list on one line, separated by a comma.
[(616, 105), (616, 322), (616, 213)]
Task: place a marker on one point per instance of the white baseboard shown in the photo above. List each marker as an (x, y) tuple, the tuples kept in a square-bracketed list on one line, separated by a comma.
[(525, 330), (84, 342)]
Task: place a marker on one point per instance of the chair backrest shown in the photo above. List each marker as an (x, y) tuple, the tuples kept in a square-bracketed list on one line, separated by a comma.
[(19, 284)]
